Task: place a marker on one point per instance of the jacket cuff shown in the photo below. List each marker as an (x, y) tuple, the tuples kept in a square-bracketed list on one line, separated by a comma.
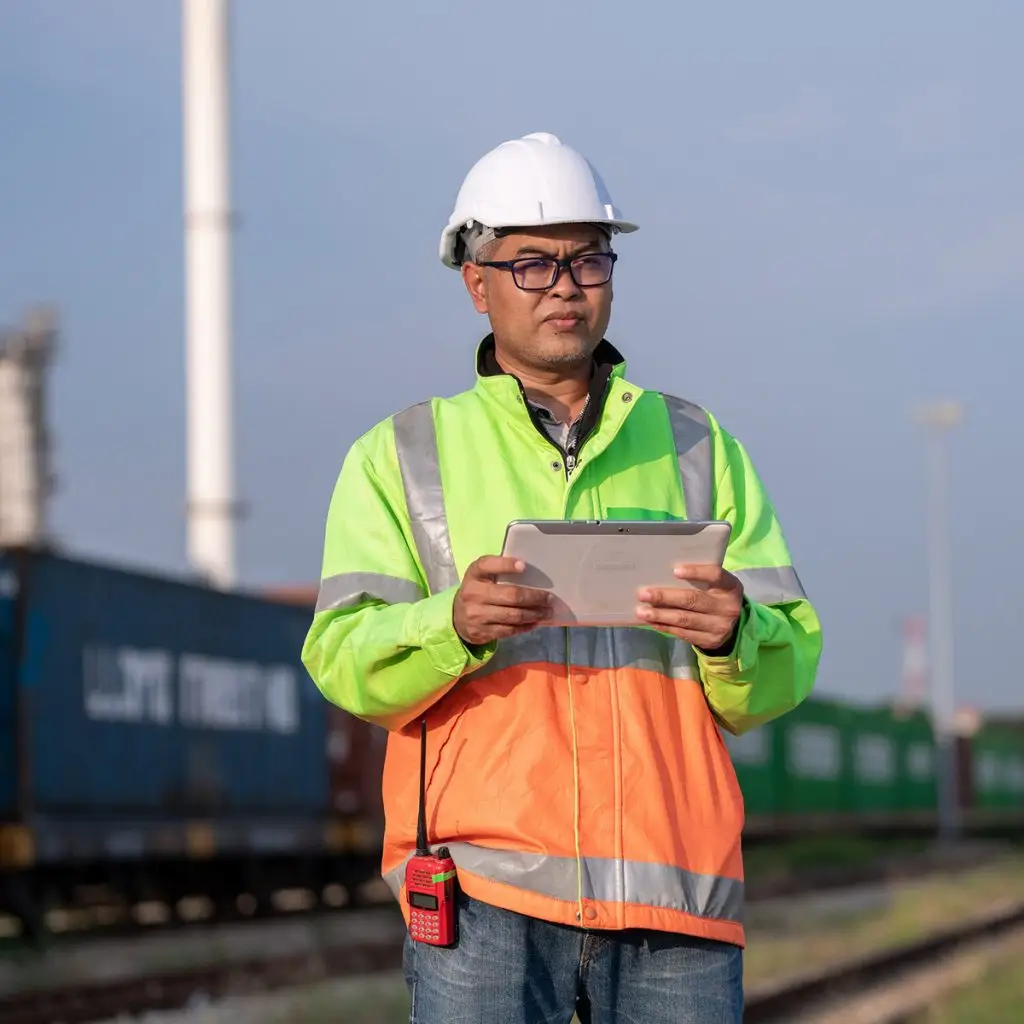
[(730, 661), (435, 631)]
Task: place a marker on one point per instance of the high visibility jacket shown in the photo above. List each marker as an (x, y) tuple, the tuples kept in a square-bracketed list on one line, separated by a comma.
[(576, 775)]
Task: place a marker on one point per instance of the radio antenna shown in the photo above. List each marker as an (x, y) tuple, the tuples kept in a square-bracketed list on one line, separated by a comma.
[(421, 824)]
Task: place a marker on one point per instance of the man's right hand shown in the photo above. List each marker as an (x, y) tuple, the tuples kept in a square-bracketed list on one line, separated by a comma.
[(486, 611)]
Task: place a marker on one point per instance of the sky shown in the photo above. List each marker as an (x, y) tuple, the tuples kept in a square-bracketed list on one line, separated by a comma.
[(831, 211)]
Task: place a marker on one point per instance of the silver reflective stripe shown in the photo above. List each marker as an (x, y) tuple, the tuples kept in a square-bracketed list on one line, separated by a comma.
[(350, 589), (692, 435), (635, 647), (604, 879), (771, 585), (592, 647), (416, 444)]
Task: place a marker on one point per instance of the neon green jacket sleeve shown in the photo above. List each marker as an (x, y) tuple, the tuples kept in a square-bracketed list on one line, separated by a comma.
[(774, 660), (378, 646)]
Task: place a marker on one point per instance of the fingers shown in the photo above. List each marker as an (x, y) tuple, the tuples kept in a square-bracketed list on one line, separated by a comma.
[(716, 590), (713, 574), (504, 632), (674, 618), (501, 615), (707, 631), (485, 610), (490, 566), (479, 622), (507, 595), (686, 598)]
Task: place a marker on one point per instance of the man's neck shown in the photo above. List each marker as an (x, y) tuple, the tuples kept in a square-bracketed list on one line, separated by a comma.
[(563, 393)]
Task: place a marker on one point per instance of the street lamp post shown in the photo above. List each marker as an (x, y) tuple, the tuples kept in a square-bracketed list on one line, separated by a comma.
[(938, 419)]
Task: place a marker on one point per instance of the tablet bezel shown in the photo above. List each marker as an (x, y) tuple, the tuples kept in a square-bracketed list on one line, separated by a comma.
[(563, 531)]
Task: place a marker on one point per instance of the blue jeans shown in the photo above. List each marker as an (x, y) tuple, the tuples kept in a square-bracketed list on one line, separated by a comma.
[(510, 969)]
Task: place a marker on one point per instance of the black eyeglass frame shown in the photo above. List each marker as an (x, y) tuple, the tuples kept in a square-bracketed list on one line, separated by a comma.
[(557, 267)]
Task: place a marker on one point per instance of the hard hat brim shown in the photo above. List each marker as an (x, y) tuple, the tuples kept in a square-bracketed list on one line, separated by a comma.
[(446, 250)]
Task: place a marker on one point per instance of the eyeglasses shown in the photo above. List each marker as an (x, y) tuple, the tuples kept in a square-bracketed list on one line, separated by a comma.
[(539, 273)]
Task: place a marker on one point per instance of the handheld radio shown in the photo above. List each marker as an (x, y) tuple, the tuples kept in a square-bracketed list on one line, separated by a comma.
[(429, 878)]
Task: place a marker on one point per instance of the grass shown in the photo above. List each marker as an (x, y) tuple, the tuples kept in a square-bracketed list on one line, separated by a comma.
[(795, 941), (792, 859), (778, 947), (797, 935), (385, 1008), (995, 998), (380, 1000)]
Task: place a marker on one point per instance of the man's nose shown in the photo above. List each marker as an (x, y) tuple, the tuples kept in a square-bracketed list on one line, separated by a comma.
[(565, 287)]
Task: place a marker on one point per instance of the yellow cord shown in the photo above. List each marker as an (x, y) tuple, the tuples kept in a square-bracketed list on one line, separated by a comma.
[(576, 781)]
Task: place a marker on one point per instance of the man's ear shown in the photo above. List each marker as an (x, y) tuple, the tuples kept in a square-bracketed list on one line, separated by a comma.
[(473, 278)]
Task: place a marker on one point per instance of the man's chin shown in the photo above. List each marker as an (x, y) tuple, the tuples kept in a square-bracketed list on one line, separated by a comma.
[(564, 348)]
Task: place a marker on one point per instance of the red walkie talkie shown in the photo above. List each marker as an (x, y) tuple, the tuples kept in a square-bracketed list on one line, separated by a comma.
[(429, 878)]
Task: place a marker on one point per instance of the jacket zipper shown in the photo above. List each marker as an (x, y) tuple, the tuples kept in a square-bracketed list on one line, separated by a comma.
[(570, 457), (570, 454)]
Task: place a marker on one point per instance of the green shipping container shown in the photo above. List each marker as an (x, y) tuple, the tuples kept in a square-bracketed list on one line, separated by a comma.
[(877, 743), (918, 788), (754, 759), (813, 765), (998, 769)]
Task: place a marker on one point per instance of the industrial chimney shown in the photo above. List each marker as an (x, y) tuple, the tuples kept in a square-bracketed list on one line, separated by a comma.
[(208, 224), (26, 476)]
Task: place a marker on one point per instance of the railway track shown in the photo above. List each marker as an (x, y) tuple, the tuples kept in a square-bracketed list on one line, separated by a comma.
[(894, 868), (342, 956), (118, 921), (110, 920), (812, 995), (791, 1000), (124, 998)]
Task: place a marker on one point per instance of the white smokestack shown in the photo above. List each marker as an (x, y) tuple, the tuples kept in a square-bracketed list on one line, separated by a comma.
[(26, 482), (211, 499)]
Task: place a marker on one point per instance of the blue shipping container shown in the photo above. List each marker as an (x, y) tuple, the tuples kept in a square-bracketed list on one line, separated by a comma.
[(129, 696)]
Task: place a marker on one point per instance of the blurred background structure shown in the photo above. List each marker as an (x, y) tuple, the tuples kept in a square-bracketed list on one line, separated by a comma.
[(831, 236), (938, 419), (26, 463), (209, 220)]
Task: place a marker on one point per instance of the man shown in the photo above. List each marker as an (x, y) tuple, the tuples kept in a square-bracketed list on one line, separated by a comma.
[(577, 776)]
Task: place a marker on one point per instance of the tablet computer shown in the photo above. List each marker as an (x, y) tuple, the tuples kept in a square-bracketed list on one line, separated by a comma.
[(594, 568)]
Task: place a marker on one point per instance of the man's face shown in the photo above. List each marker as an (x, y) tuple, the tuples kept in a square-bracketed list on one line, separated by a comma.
[(556, 329)]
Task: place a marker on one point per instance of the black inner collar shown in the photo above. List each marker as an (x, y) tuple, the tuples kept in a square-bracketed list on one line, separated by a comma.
[(606, 357)]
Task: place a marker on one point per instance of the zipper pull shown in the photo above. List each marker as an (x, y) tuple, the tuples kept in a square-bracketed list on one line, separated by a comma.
[(570, 463)]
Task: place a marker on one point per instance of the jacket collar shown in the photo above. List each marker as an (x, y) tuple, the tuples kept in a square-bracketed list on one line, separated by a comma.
[(607, 360), (507, 390), (607, 363), (607, 378)]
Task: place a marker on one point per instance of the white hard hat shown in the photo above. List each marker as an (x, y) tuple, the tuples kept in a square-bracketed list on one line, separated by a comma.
[(528, 182)]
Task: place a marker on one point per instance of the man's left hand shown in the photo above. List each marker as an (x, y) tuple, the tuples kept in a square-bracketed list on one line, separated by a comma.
[(705, 618)]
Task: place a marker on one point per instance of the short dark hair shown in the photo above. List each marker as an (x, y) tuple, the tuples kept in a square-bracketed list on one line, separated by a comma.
[(487, 251)]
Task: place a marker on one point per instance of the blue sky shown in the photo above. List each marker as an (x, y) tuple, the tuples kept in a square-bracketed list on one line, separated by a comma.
[(832, 229)]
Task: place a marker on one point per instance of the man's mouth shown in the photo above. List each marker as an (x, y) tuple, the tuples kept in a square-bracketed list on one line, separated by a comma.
[(564, 319)]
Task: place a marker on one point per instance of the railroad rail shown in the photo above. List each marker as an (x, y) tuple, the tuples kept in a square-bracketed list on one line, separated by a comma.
[(116, 921), (792, 999), (884, 868), (787, 1000), (124, 998)]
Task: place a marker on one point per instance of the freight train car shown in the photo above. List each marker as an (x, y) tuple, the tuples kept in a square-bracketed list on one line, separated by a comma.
[(834, 767), (162, 739), (829, 766), (995, 782)]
